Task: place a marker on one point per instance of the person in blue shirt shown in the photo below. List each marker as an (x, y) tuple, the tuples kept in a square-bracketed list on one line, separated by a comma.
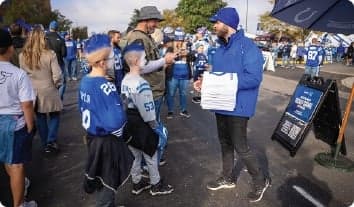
[(71, 58), (275, 51), (286, 49), (200, 65), (300, 53), (181, 74), (340, 52), (117, 72), (237, 54), (314, 55), (103, 117)]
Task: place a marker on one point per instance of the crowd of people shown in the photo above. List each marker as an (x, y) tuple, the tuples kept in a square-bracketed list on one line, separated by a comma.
[(120, 98), (292, 53)]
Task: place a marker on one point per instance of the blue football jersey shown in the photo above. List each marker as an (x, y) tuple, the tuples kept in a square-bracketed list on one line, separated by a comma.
[(100, 106), (118, 68), (314, 55), (201, 61)]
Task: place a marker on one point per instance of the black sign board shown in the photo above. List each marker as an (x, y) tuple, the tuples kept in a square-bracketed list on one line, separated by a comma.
[(327, 122), (313, 101)]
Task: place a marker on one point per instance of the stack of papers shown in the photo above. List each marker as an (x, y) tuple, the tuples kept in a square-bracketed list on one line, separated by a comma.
[(219, 91)]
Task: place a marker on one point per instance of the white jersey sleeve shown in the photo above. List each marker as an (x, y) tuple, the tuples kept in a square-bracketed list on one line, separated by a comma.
[(139, 96)]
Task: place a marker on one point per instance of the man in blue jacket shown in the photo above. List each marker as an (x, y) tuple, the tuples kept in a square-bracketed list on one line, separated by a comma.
[(237, 54)]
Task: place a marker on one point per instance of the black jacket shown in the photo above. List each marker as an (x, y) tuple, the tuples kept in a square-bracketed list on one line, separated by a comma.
[(108, 163), (139, 133), (57, 44), (18, 43)]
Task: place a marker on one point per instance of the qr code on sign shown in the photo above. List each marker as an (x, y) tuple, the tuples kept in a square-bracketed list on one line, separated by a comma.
[(294, 131)]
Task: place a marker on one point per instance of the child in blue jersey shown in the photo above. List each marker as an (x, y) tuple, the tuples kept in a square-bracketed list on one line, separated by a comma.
[(103, 117), (146, 133), (313, 56), (200, 65)]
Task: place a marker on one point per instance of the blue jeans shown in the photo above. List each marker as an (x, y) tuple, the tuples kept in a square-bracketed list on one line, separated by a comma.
[(182, 86), (285, 61), (71, 70), (48, 128), (313, 71), (158, 103), (63, 85)]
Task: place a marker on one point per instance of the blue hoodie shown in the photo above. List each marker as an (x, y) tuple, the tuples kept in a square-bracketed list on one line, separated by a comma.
[(241, 55)]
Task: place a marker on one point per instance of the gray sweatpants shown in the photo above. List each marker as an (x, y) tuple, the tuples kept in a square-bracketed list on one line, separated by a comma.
[(151, 163)]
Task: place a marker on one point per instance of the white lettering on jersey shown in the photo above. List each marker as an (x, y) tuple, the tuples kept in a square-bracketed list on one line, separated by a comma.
[(86, 121), (85, 97), (108, 87), (69, 44), (312, 55)]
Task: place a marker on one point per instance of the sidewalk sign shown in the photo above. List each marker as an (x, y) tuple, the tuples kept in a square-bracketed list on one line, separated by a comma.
[(326, 124), (314, 102)]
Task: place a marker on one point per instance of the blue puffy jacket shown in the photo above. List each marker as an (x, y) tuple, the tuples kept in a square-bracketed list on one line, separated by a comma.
[(241, 55)]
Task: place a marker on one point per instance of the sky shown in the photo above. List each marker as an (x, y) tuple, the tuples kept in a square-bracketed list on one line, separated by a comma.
[(103, 15)]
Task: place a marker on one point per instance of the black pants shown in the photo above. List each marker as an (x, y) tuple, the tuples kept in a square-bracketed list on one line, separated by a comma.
[(232, 132)]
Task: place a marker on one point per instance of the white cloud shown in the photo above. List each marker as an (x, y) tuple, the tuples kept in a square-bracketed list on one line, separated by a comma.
[(103, 15)]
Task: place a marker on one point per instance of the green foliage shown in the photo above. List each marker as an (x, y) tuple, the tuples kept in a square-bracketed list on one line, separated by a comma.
[(31, 12), (281, 29), (196, 13), (134, 19), (171, 19), (79, 32), (189, 14), (34, 13), (64, 23)]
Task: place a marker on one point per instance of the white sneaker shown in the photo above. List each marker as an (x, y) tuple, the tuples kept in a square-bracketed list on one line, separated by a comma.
[(27, 185), (74, 78), (29, 204)]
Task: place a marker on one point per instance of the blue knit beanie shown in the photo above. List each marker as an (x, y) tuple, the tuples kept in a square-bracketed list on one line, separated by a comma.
[(228, 16)]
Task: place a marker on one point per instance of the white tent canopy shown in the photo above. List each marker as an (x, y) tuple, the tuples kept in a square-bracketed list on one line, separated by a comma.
[(331, 40)]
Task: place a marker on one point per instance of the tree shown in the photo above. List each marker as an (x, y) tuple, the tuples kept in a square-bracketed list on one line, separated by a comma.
[(281, 29), (171, 19), (33, 12), (63, 23), (134, 19), (79, 32), (196, 13)]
